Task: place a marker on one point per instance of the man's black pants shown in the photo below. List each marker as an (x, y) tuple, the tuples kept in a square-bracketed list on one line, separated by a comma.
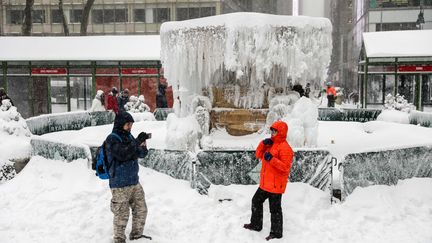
[(275, 210)]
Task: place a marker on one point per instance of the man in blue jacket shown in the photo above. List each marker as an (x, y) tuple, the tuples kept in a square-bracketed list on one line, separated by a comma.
[(122, 151)]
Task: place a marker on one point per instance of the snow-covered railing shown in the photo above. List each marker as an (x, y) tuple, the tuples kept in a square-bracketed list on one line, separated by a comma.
[(385, 167), (422, 118), (52, 149), (236, 167), (68, 121), (349, 115)]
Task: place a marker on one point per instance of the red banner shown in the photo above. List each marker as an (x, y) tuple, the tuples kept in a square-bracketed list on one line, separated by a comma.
[(49, 71), (139, 71), (415, 68)]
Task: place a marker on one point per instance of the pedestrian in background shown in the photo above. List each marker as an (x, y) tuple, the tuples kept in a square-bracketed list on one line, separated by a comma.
[(112, 104)]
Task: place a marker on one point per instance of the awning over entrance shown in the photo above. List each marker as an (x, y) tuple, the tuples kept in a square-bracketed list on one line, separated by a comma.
[(60, 74), (408, 43), (396, 62), (81, 48)]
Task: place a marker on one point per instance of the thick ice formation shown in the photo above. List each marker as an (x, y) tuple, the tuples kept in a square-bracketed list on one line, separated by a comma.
[(244, 50), (301, 116), (182, 133)]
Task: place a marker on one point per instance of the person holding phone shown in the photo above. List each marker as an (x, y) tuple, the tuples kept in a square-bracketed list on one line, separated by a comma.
[(122, 151)]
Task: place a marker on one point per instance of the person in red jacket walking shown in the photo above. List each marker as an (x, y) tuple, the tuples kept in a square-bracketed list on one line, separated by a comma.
[(112, 103), (276, 156), (331, 95)]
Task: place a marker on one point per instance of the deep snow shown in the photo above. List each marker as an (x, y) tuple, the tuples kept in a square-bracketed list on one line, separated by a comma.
[(54, 201)]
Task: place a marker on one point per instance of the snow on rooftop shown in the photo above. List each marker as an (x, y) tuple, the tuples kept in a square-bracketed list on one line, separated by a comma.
[(80, 48), (408, 43)]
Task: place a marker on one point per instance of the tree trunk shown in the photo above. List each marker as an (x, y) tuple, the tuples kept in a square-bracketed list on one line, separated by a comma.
[(85, 17), (64, 21), (27, 23)]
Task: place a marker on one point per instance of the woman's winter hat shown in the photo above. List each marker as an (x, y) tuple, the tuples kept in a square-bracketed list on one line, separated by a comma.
[(114, 90)]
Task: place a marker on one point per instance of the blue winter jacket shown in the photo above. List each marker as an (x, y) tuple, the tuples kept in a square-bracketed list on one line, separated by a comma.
[(123, 155)]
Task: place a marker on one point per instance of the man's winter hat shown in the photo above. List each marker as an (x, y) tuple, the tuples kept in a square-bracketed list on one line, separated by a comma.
[(328, 83), (114, 90), (122, 118)]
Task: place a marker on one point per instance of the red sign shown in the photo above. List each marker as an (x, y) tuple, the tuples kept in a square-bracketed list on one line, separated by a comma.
[(49, 71), (139, 71), (415, 68)]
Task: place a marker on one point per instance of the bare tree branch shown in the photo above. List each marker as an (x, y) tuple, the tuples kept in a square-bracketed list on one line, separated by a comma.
[(64, 21), (28, 22), (85, 17)]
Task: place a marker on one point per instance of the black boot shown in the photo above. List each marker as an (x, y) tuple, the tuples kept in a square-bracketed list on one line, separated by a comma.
[(273, 236), (251, 227)]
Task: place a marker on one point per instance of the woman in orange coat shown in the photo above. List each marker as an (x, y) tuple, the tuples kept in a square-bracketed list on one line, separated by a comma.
[(276, 156)]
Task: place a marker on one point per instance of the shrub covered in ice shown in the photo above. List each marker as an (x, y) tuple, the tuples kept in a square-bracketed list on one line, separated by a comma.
[(11, 121), (182, 133), (143, 116), (398, 103)]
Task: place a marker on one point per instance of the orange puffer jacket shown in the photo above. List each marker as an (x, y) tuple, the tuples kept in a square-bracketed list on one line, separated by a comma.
[(274, 173)]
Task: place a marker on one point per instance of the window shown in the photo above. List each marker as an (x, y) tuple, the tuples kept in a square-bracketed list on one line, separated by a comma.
[(139, 15), (208, 11), (38, 16), (100, 16), (121, 15), (395, 26), (15, 16), (75, 15), (161, 15), (108, 16), (182, 14), (192, 13), (97, 16), (56, 16)]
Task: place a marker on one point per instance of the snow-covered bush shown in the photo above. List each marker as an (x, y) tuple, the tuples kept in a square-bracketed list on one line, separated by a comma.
[(398, 103), (7, 171), (11, 121), (182, 133), (394, 116), (137, 104)]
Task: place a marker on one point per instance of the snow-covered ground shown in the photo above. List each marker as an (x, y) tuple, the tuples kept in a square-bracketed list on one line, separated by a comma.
[(54, 201)]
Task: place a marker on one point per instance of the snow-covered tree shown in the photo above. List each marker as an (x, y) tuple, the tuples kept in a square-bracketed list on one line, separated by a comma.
[(398, 103)]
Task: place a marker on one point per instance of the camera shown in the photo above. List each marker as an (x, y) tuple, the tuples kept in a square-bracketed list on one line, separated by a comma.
[(143, 136)]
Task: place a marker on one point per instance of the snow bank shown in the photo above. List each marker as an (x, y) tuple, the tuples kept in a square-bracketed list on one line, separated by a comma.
[(51, 202), (245, 50), (394, 116)]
